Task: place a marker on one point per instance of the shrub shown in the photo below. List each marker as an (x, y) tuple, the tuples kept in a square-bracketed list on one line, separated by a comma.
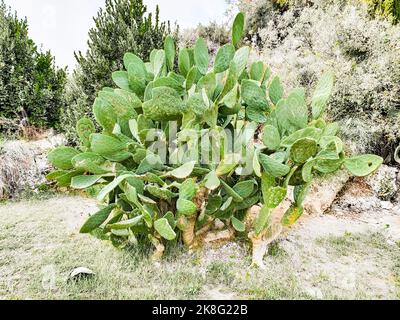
[(366, 98), (386, 8), (216, 35), (122, 26), (31, 87), (9, 128), (180, 150)]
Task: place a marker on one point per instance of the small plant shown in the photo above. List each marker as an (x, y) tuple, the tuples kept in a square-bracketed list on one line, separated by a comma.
[(168, 118)]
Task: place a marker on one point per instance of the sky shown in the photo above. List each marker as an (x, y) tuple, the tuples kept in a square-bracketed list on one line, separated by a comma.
[(62, 25)]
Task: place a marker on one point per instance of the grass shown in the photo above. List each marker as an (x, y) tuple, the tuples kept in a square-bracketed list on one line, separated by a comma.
[(396, 277), (350, 244), (40, 245), (39, 250), (373, 244)]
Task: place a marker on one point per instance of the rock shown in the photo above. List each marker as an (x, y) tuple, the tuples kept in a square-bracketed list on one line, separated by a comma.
[(315, 293), (373, 193), (357, 197), (384, 183), (80, 273), (324, 192)]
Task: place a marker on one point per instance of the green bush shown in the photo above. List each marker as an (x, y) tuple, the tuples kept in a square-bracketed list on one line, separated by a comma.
[(166, 190), (386, 8), (31, 87), (122, 26), (9, 129)]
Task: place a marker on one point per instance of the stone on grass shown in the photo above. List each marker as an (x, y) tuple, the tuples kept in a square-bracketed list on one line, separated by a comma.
[(80, 273)]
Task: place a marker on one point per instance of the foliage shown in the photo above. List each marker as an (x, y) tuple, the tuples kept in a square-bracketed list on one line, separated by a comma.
[(122, 26), (261, 9), (162, 198), (31, 87), (387, 8), (9, 128), (366, 96), (215, 34)]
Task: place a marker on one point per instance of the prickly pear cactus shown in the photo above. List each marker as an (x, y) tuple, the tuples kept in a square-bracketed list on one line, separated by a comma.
[(171, 115)]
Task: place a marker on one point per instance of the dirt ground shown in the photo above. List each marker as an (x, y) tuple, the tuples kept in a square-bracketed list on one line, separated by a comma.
[(340, 255)]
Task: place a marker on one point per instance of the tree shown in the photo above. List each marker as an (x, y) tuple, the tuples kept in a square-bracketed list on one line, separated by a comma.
[(121, 26), (31, 86)]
